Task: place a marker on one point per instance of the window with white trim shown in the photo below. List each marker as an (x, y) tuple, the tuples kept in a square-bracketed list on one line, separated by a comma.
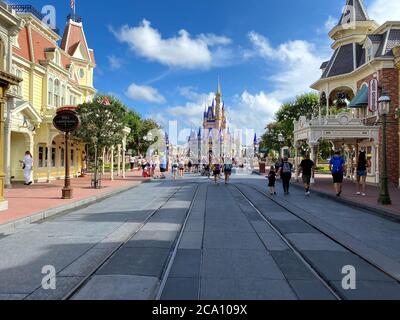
[(51, 88), (57, 93), (63, 95)]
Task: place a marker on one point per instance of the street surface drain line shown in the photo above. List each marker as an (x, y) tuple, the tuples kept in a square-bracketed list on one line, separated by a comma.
[(290, 245), (345, 246), (86, 279), (172, 257)]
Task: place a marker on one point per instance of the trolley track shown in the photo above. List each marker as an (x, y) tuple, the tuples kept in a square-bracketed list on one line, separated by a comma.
[(322, 232), (308, 265), (87, 278)]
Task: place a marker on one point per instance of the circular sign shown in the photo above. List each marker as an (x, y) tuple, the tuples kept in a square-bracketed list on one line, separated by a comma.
[(66, 121)]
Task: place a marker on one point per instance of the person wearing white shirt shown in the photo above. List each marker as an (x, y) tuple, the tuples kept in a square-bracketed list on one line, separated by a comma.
[(28, 166)]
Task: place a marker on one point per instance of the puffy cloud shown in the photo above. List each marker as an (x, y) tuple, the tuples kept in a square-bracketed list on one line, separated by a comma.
[(145, 93), (384, 10), (296, 64), (181, 51)]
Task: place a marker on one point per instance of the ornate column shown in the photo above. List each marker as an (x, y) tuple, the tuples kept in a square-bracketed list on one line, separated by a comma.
[(119, 149), (314, 157), (112, 163), (3, 203), (123, 159), (7, 142)]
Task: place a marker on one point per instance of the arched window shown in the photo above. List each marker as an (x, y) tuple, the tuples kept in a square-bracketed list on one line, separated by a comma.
[(51, 88), (63, 95), (57, 93)]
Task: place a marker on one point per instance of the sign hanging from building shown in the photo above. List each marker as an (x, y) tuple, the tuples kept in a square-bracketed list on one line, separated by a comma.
[(66, 120), (373, 95)]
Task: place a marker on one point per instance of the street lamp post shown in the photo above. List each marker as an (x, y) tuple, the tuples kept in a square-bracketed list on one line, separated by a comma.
[(384, 108)]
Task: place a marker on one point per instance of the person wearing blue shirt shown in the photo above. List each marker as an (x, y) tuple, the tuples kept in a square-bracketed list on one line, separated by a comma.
[(337, 166)]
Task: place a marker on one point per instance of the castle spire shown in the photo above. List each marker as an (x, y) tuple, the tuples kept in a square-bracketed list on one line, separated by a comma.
[(219, 88)]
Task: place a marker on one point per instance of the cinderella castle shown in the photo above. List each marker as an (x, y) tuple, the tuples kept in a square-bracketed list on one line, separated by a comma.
[(214, 139)]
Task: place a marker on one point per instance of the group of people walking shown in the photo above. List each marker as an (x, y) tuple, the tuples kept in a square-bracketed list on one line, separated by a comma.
[(337, 167)]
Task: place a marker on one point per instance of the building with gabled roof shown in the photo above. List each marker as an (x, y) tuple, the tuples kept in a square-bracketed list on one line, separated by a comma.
[(56, 71), (362, 68)]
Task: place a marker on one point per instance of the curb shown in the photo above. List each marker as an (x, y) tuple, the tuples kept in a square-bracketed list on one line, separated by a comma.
[(48, 213), (387, 214)]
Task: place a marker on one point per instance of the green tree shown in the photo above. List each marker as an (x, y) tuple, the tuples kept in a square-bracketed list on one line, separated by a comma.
[(303, 105), (102, 123)]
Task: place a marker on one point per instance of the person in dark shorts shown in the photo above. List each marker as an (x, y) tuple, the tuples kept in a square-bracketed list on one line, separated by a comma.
[(285, 172), (227, 172), (271, 181), (307, 168), (362, 172), (337, 167), (217, 172)]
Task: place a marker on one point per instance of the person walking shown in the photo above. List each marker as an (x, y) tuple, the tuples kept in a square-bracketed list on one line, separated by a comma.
[(285, 172), (175, 166), (307, 169), (217, 172), (271, 181), (163, 166), (337, 168), (227, 171), (181, 164), (27, 166), (362, 166), (132, 162)]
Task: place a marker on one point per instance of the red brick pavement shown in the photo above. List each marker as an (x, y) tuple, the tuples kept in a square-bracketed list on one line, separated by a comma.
[(324, 184), (27, 201)]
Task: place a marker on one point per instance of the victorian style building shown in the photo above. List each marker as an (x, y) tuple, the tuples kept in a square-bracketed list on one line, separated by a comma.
[(56, 71), (10, 25), (364, 65)]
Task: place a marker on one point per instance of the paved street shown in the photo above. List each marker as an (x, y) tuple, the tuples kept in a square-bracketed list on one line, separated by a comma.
[(191, 239)]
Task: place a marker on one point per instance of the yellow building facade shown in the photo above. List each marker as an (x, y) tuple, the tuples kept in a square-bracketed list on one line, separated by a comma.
[(9, 28), (56, 71)]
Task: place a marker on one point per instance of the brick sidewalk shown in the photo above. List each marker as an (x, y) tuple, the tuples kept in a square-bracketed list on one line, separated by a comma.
[(26, 201), (324, 184)]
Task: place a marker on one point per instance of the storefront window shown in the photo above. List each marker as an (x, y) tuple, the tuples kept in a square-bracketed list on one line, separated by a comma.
[(72, 158), (43, 157), (53, 157)]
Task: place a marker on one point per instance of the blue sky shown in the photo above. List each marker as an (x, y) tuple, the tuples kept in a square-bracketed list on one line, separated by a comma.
[(163, 57)]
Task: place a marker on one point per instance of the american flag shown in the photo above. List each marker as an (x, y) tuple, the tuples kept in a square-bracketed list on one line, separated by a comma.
[(72, 3)]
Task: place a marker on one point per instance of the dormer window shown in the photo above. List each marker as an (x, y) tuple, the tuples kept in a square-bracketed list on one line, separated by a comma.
[(57, 58), (369, 53)]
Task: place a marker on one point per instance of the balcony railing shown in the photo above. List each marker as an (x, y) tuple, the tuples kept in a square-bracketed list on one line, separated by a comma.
[(340, 120), (29, 9)]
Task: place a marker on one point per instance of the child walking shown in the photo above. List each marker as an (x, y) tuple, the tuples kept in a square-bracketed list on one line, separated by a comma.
[(272, 181)]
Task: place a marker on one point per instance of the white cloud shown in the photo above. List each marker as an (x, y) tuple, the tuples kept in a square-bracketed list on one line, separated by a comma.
[(384, 10), (297, 64), (145, 93), (115, 62), (181, 51), (330, 23), (253, 111)]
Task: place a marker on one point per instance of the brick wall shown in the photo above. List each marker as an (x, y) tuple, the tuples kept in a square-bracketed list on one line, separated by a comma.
[(389, 81)]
